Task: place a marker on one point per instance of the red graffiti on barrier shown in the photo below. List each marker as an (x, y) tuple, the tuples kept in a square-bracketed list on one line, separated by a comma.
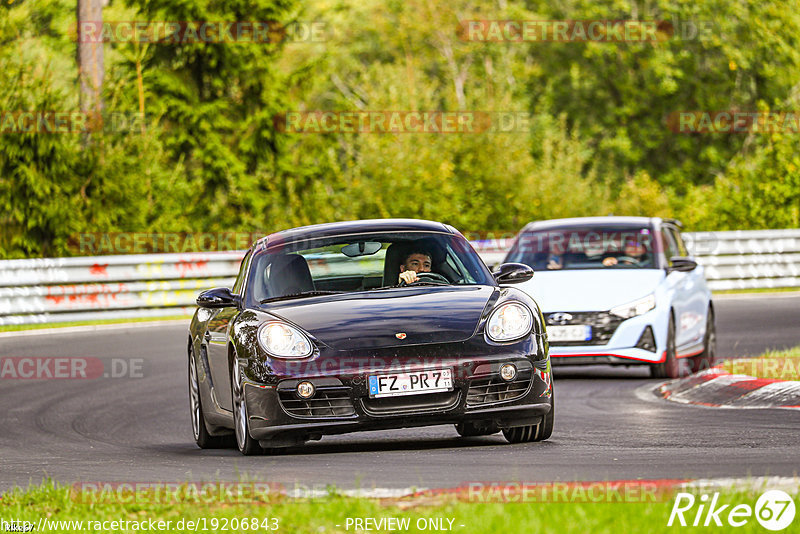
[(91, 300), (85, 289), (99, 269), (186, 267)]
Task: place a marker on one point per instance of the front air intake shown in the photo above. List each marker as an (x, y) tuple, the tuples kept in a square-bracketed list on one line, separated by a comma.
[(647, 341), (328, 402), (494, 389)]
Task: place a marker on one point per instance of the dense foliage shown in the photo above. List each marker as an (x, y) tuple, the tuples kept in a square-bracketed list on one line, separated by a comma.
[(212, 157)]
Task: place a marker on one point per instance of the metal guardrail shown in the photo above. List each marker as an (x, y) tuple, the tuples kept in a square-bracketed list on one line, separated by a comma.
[(159, 285), (748, 259), (109, 287)]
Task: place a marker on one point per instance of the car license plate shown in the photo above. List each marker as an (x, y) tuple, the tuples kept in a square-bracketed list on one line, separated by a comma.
[(572, 332), (391, 385)]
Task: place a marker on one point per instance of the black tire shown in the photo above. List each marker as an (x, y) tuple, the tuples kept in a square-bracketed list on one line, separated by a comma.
[(520, 434), (540, 432), (707, 358), (470, 429), (671, 367), (202, 437), (546, 425), (244, 442)]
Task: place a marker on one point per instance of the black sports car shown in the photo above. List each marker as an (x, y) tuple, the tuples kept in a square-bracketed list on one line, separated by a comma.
[(321, 335)]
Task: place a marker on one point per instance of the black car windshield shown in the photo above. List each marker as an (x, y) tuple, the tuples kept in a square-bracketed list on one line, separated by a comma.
[(592, 247), (360, 262)]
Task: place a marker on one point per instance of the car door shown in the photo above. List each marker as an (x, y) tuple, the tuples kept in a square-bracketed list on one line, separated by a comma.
[(695, 294), (680, 285), (217, 335)]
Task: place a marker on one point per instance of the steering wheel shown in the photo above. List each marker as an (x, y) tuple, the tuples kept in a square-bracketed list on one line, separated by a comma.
[(434, 278), (628, 260)]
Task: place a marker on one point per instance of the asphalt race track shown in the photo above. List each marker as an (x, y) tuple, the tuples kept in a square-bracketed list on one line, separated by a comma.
[(607, 426)]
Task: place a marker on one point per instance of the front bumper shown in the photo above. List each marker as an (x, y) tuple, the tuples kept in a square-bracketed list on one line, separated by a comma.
[(621, 347), (342, 402), (593, 355)]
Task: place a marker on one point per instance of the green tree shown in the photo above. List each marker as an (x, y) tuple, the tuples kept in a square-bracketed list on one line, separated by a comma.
[(723, 55)]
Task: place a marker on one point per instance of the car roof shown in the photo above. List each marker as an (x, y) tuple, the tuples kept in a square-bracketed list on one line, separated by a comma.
[(354, 227), (610, 220)]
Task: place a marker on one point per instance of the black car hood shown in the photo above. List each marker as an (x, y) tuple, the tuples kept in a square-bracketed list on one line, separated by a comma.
[(374, 319)]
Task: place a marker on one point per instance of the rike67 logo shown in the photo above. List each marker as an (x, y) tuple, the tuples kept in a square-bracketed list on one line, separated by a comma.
[(774, 510)]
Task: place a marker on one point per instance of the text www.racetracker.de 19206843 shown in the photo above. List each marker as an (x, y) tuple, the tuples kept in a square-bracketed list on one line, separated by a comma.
[(200, 524)]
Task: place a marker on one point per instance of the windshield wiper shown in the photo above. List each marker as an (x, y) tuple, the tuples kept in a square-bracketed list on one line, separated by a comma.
[(300, 295)]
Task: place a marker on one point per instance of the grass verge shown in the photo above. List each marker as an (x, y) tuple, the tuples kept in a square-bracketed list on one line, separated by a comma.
[(336, 514), (776, 364)]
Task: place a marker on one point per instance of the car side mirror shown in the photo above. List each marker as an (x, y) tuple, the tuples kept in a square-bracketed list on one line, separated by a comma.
[(512, 273), (219, 297), (682, 264)]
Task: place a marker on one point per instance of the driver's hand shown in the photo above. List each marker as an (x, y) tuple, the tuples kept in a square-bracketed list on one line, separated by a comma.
[(408, 277), (610, 261)]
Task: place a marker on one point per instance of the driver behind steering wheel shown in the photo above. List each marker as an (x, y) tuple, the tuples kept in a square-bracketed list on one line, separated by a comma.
[(634, 254), (416, 261)]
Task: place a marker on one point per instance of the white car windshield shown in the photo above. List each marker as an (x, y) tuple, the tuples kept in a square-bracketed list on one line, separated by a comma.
[(591, 247)]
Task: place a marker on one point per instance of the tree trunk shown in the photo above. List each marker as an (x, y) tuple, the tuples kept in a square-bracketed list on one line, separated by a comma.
[(90, 56)]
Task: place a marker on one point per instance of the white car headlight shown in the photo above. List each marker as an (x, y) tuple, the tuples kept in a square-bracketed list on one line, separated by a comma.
[(509, 321), (637, 307), (284, 341)]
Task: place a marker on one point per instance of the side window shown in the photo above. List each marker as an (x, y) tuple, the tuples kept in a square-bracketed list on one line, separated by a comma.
[(237, 285), (676, 236), (460, 274), (670, 248)]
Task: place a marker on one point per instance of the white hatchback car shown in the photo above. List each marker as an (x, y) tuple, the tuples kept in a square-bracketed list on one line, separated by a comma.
[(619, 291)]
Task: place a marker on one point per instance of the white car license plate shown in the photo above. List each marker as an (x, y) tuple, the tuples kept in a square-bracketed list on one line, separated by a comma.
[(390, 385), (572, 332)]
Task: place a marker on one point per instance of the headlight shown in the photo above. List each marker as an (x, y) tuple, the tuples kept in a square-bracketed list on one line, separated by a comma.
[(284, 341), (509, 321), (637, 307)]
